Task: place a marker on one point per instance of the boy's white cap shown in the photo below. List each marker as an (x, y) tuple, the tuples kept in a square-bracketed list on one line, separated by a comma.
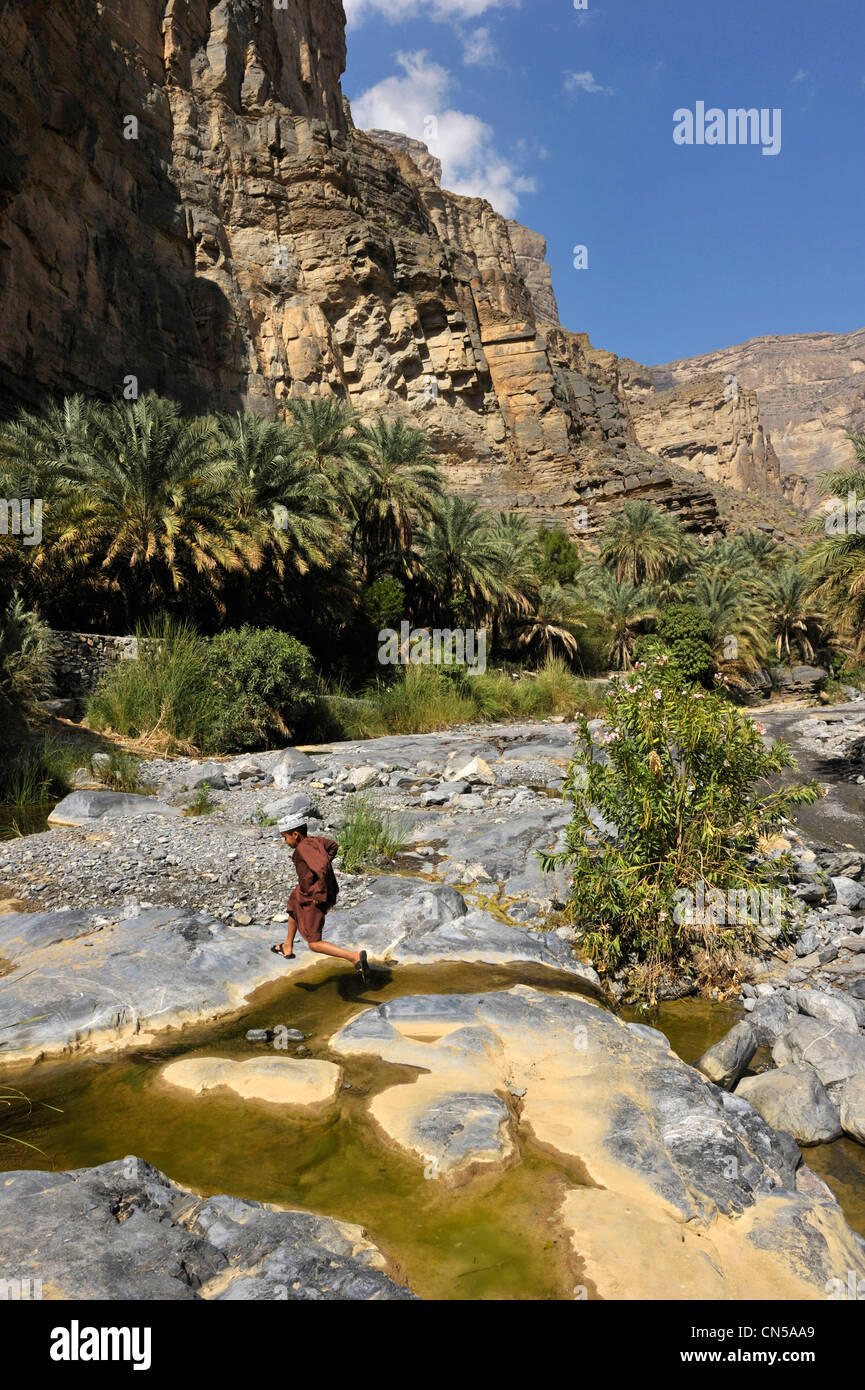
[(290, 823)]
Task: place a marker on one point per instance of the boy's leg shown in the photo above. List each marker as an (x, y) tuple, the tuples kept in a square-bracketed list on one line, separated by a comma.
[(326, 948), (288, 944)]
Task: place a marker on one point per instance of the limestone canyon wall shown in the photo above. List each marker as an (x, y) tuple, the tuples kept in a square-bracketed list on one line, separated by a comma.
[(709, 424), (184, 199), (810, 389)]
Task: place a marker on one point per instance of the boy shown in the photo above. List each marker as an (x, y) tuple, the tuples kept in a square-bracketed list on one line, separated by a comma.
[(315, 894)]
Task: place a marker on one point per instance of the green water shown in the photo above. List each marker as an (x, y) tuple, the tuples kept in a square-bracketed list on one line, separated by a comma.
[(24, 820), (842, 1166), (494, 1238), (691, 1025)]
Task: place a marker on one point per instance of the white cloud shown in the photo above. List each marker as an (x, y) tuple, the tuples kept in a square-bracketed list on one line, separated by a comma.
[(415, 104), (800, 75), (358, 10), (585, 82), (479, 48)]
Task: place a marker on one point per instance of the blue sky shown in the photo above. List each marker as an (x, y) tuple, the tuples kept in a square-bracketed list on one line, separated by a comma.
[(564, 119)]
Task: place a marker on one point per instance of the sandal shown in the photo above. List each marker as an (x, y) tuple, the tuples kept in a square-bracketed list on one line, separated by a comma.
[(278, 951)]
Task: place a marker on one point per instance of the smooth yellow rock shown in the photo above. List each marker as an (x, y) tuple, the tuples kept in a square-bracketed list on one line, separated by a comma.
[(301, 1085)]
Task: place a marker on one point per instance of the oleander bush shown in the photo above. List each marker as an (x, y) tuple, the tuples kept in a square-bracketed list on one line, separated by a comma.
[(682, 797)]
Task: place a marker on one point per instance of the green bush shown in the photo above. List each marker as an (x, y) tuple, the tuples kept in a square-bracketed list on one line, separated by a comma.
[(26, 658), (383, 601), (425, 698), (117, 770), (559, 561), (240, 690), (202, 803), (264, 685), (683, 788), (166, 697), (846, 671), (689, 636), (593, 643)]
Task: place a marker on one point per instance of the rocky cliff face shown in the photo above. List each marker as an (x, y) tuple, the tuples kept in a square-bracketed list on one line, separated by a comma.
[(810, 389), (184, 200), (709, 424), (530, 249)]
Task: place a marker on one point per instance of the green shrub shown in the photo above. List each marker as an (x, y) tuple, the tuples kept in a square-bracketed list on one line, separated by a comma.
[(553, 689), (383, 601), (683, 787), (689, 636), (425, 698), (593, 643), (239, 690), (264, 684), (846, 672), (166, 697), (201, 803), (26, 658), (559, 561), (368, 837)]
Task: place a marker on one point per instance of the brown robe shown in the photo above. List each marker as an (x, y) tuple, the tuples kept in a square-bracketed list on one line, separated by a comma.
[(316, 889)]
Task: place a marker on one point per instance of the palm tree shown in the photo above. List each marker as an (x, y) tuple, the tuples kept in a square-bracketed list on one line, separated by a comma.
[(676, 576), (516, 544), (37, 453), (553, 622), (36, 449), (324, 437), (26, 657), (625, 608), (762, 550), (282, 507), (736, 612), (402, 486), (795, 622), (836, 563), (146, 509), (459, 560), (639, 542)]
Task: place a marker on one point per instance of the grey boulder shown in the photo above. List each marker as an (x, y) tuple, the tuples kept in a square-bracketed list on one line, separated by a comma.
[(829, 1007), (849, 893), (301, 804), (793, 1099), (124, 1231), (834, 1054), (362, 778), (290, 766), (771, 1017), (800, 680), (83, 807), (725, 1062), (851, 1104), (211, 774)]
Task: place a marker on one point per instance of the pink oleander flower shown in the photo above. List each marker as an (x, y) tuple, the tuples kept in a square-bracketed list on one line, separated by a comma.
[(658, 694)]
